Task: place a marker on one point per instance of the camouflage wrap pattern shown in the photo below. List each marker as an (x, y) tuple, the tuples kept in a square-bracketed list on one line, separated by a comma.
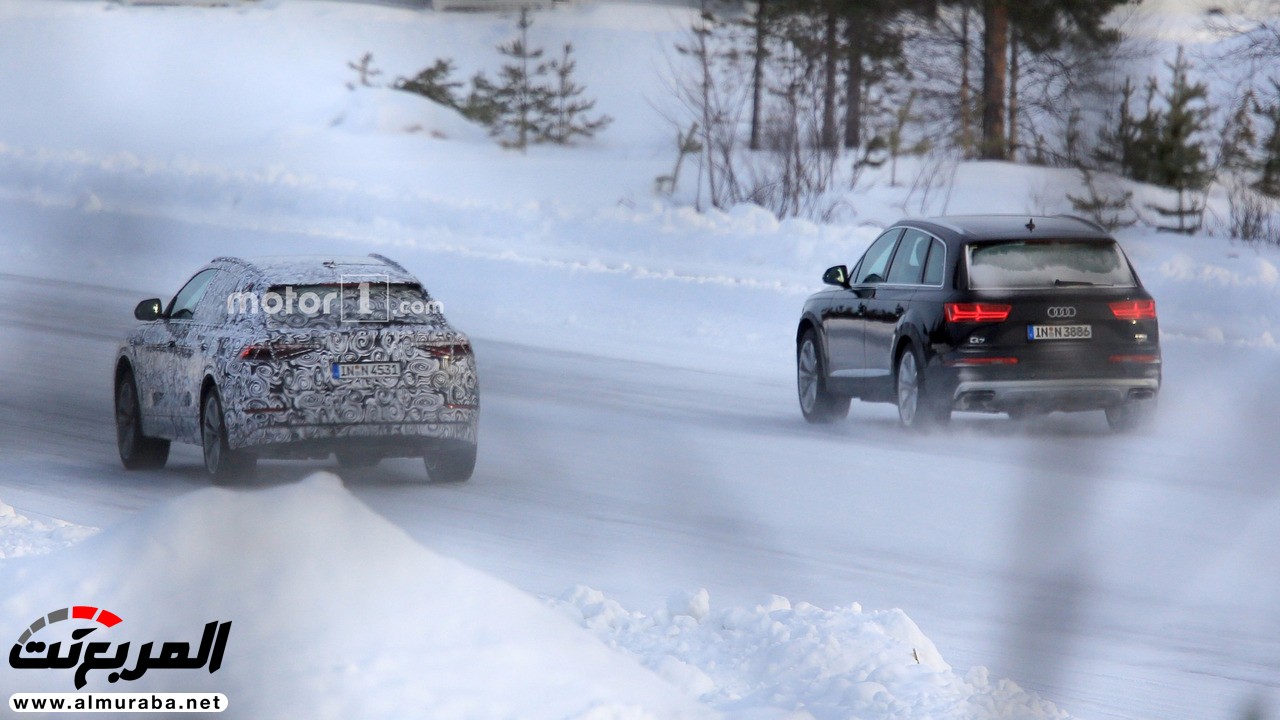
[(275, 373)]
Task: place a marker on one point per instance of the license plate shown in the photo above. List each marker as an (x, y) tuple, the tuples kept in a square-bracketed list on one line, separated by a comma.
[(357, 371), (1059, 332)]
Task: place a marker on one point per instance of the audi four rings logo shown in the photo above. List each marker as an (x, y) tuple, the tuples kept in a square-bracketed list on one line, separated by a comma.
[(1062, 311)]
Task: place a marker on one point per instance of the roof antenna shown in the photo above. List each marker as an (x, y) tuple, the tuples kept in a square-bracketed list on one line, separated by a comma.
[(1031, 224)]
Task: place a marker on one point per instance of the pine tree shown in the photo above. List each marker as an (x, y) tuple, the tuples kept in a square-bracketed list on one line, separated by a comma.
[(433, 83), (1239, 139), (531, 100), (1269, 166), (480, 104), (521, 97), (1144, 152), (1116, 149), (568, 109), (1184, 161), (1108, 208), (1180, 159)]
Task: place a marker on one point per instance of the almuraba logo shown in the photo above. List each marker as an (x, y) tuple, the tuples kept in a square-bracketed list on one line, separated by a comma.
[(30, 653)]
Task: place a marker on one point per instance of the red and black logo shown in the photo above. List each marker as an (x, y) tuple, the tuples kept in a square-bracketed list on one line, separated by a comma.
[(29, 653)]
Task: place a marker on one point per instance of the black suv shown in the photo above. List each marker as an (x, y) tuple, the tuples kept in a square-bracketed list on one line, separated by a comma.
[(993, 313)]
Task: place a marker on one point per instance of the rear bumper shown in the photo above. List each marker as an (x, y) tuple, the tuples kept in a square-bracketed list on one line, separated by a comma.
[(1065, 377), (372, 438), (1066, 395)]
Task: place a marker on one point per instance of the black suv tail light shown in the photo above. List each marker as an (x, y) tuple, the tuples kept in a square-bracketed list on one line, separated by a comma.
[(977, 312), (1134, 309)]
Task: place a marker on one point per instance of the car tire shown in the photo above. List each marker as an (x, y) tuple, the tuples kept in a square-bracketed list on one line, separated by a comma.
[(450, 461), (1130, 416), (918, 408), (222, 463), (137, 451), (817, 404)]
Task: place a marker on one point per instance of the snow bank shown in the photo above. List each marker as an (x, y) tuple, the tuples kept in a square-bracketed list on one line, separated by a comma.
[(336, 614), (21, 535), (801, 659)]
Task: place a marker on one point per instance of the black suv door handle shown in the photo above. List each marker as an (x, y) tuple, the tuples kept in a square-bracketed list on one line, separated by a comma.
[(173, 343)]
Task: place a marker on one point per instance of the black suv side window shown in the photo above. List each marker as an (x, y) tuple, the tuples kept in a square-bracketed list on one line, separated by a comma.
[(875, 263), (183, 305), (908, 263), (933, 268)]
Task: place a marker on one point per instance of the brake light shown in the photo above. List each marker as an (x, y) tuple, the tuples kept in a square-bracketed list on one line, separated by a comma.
[(266, 351), (446, 351), (1134, 309), (977, 312)]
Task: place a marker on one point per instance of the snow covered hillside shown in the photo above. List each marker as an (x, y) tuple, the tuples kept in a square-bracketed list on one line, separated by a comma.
[(653, 532)]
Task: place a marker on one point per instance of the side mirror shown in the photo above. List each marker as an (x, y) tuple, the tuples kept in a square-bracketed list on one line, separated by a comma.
[(838, 275), (148, 310)]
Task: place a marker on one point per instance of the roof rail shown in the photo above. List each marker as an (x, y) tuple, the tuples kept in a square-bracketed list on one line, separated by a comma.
[(238, 261), (390, 262), (1086, 221), (940, 221)]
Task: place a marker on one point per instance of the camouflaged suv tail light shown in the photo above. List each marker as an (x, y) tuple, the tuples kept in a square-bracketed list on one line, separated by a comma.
[(266, 352)]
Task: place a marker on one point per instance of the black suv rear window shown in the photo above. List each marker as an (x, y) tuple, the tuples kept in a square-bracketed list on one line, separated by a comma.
[(1048, 263)]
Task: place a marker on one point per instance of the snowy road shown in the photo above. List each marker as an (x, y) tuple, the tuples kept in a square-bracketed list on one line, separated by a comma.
[(639, 431), (1098, 570)]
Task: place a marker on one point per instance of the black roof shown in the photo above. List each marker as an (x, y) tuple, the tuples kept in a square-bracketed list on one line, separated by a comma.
[(1010, 227)]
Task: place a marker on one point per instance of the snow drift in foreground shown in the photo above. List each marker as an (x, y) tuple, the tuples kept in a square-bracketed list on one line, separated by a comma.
[(23, 535), (822, 664), (337, 613)]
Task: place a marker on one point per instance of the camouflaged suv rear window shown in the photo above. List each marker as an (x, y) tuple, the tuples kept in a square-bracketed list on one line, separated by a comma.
[(334, 305)]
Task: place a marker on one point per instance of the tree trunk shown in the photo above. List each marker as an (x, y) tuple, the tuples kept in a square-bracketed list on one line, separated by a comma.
[(1013, 94), (829, 50), (708, 116), (995, 50), (966, 100), (757, 75), (853, 87)]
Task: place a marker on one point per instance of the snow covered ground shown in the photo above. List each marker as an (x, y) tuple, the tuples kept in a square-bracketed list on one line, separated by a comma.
[(639, 433)]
